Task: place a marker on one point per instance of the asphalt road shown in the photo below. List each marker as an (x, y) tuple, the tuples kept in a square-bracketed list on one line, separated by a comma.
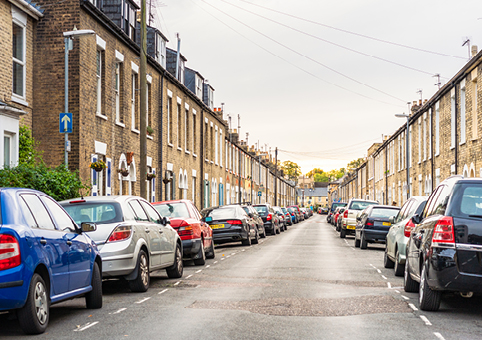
[(305, 283)]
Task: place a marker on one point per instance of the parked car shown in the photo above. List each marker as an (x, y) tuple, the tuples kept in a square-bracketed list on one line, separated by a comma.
[(336, 215), (45, 258), (270, 219), (298, 212), (331, 211), (373, 224), (133, 239), (230, 223), (287, 216), (252, 213), (281, 217), (323, 210), (348, 223), (294, 214), (399, 233), (444, 247), (196, 235), (338, 219)]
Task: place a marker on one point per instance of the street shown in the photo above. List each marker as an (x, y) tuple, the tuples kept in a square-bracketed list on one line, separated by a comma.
[(306, 283)]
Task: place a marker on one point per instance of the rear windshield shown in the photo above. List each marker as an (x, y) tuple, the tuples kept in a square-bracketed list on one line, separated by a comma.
[(172, 210), (101, 212), (466, 201), (336, 205), (222, 213), (261, 208), (360, 205), (284, 210), (384, 212)]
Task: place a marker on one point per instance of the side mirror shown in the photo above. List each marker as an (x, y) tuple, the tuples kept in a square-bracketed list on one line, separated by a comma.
[(207, 219), (166, 220), (392, 219), (358, 218), (250, 215), (88, 226), (416, 219)]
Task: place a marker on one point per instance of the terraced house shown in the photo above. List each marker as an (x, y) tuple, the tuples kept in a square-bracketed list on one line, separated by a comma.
[(444, 138), (191, 153)]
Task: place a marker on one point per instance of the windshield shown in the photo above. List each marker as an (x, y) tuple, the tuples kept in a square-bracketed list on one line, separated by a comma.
[(384, 212), (360, 205), (466, 201), (101, 212), (172, 210)]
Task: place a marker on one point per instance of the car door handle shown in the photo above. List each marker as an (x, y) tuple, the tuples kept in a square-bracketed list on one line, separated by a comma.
[(69, 242), (43, 241), (148, 230)]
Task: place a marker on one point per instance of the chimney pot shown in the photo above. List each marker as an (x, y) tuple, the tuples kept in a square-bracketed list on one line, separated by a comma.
[(414, 103), (420, 102), (474, 50)]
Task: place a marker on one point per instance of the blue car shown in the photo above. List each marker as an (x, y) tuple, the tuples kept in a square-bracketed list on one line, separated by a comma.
[(45, 258)]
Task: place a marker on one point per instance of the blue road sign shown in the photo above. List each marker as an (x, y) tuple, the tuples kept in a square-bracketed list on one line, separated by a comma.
[(65, 123), (259, 193)]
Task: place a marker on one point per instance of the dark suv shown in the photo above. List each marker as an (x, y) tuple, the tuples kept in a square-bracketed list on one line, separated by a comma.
[(270, 218), (445, 246)]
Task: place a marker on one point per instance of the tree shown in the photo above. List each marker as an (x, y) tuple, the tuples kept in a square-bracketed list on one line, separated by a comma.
[(291, 169), (355, 164), (313, 172)]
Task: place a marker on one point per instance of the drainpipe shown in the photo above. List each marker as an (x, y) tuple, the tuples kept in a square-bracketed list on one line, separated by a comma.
[(178, 56), (160, 183), (201, 158), (432, 153), (386, 174), (456, 151)]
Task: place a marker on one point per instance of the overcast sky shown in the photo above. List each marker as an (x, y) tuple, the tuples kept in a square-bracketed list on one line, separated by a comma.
[(320, 80)]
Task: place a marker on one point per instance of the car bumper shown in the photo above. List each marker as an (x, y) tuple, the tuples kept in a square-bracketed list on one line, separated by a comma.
[(268, 226), (14, 287), (191, 247), (230, 236), (118, 258), (349, 229), (378, 236)]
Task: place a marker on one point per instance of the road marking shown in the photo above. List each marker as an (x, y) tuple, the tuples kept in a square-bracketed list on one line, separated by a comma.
[(411, 305), (424, 318), (200, 270), (373, 266), (87, 325), (165, 290), (215, 262), (143, 300), (406, 298), (379, 271), (397, 291), (208, 266), (222, 259), (438, 335), (384, 277), (227, 257), (352, 248), (389, 285), (188, 277), (178, 282), (233, 253), (119, 311), (243, 249)]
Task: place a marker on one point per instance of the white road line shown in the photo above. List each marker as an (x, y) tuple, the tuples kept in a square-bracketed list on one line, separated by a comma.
[(438, 335), (411, 305), (200, 270), (233, 253), (215, 262), (208, 266), (178, 282), (165, 290), (406, 298), (119, 311), (222, 259), (389, 285), (143, 300), (379, 271), (352, 248), (373, 266), (245, 249), (384, 277), (424, 318), (88, 325), (188, 276), (397, 291), (228, 256)]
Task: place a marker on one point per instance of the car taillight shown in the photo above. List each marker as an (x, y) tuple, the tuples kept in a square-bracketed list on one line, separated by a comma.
[(234, 222), (368, 223), (345, 214), (408, 228), (269, 217), (9, 252), (444, 231), (120, 233)]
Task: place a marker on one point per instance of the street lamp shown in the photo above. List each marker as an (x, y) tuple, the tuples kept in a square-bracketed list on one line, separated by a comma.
[(68, 40), (407, 136)]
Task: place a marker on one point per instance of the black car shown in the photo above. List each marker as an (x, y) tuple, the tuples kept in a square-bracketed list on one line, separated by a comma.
[(334, 205), (373, 224), (270, 218), (281, 217), (252, 213), (230, 223), (444, 249)]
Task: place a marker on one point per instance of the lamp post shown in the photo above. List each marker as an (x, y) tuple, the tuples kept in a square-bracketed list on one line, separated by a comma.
[(407, 136), (68, 40)]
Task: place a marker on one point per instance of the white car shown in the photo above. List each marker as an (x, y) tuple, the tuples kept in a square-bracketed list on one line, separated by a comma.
[(348, 223)]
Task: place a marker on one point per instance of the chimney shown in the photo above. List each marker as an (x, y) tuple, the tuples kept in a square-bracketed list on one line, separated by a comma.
[(474, 50), (420, 102)]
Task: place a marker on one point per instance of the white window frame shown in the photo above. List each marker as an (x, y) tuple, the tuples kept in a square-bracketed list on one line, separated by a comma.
[(19, 18), (186, 125), (452, 119), (101, 44), (134, 76), (437, 128), (193, 128), (463, 125), (221, 148), (119, 60), (169, 114), (475, 125), (216, 161)]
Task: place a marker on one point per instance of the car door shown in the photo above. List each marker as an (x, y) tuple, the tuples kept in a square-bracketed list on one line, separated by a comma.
[(396, 226), (52, 244), (80, 249), (159, 234), (205, 228)]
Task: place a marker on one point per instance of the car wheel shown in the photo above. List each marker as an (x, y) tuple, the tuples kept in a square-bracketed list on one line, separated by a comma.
[(177, 268), (398, 268), (363, 241), (34, 316), (278, 231), (409, 284), (429, 299), (263, 235), (211, 254), (338, 229), (141, 282), (342, 233), (357, 242), (247, 242), (387, 262), (201, 260), (93, 299), (256, 238)]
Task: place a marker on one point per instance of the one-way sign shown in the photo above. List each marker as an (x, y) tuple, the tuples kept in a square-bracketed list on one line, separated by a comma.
[(65, 122)]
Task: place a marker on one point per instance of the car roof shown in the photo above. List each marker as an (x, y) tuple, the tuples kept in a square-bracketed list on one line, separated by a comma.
[(118, 198)]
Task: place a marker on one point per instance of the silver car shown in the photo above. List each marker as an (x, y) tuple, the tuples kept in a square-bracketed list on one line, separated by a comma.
[(397, 237), (132, 237)]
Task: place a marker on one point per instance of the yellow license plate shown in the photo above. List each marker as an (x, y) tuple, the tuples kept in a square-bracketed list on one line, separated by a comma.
[(217, 226), (387, 223), (350, 227)]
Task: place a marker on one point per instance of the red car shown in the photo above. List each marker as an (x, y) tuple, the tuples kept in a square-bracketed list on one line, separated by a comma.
[(196, 236)]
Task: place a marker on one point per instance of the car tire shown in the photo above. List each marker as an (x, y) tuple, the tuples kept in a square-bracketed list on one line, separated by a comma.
[(342, 233), (256, 238), (409, 284), (263, 235), (34, 315), (278, 231), (363, 241), (211, 254), (357, 242), (141, 282), (93, 299), (428, 299), (398, 267), (247, 242), (177, 268), (338, 229), (201, 260), (387, 262)]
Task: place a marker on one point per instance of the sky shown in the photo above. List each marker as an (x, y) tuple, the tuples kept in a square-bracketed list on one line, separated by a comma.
[(320, 80)]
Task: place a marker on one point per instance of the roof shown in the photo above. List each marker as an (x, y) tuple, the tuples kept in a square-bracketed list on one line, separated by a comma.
[(316, 192)]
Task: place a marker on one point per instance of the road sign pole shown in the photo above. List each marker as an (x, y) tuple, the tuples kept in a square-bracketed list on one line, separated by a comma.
[(66, 98)]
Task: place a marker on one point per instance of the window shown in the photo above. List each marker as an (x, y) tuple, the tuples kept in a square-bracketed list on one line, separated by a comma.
[(19, 51), (475, 133), (134, 115), (140, 214), (117, 90), (179, 123), (424, 137), (194, 132), (420, 139), (148, 102), (7, 151), (187, 132), (160, 50), (462, 113), (437, 128), (129, 20), (216, 146), (64, 222), (452, 118), (41, 216), (99, 82), (221, 147), (169, 117)]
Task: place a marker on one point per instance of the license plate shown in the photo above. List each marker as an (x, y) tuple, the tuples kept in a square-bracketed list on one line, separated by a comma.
[(217, 226), (387, 223), (350, 227)]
